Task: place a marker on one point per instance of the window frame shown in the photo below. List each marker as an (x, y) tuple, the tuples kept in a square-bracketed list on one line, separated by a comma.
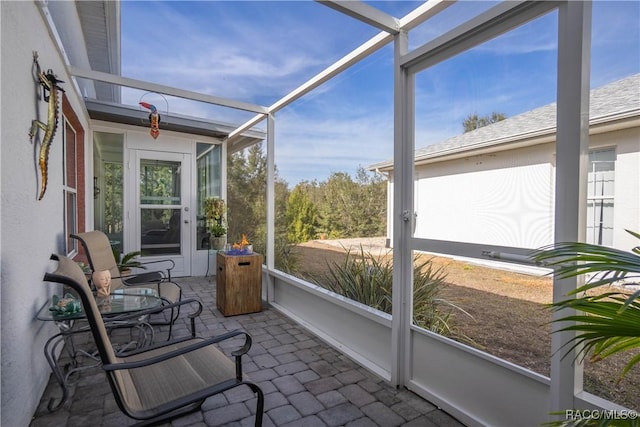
[(70, 167), (209, 175), (70, 120), (594, 200)]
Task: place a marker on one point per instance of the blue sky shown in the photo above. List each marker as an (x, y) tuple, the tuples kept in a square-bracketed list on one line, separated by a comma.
[(259, 51)]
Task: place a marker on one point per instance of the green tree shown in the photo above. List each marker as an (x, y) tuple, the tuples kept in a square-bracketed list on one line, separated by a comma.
[(301, 215), (473, 121), (352, 208), (284, 257), (246, 200), (372, 202), (246, 193), (339, 207), (335, 196)]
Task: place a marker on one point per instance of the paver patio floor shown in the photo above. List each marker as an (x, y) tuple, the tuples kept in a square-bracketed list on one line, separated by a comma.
[(306, 382)]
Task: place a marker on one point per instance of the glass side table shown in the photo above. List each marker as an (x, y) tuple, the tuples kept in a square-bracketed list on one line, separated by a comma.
[(121, 302)]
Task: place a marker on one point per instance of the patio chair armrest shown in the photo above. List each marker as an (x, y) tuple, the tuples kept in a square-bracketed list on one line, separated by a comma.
[(166, 306), (161, 308), (168, 269), (169, 304), (140, 279), (171, 354), (192, 316), (156, 261)]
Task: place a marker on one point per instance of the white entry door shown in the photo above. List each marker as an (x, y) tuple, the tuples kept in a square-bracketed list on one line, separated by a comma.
[(163, 213)]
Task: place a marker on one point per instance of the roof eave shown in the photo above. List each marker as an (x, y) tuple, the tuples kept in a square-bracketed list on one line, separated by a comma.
[(122, 114), (617, 121)]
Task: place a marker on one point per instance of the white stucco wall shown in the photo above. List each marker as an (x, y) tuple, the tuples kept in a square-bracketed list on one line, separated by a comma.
[(502, 198), (31, 230), (507, 198)]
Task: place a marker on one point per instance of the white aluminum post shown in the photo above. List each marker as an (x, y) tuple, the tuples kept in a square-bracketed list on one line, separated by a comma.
[(572, 149), (271, 154), (402, 214)]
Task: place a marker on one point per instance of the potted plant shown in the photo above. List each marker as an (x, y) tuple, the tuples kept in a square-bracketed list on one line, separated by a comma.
[(127, 261), (218, 237), (606, 322), (86, 269), (214, 210)]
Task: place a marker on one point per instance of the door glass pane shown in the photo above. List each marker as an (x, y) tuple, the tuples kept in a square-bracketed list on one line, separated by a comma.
[(108, 186), (209, 174), (112, 200), (159, 182), (160, 231)]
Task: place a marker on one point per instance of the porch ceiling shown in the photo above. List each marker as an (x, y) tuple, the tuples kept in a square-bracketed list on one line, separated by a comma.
[(100, 23), (119, 113)]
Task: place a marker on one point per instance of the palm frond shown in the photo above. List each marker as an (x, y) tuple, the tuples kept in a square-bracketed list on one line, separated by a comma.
[(605, 324), (606, 327), (570, 259)]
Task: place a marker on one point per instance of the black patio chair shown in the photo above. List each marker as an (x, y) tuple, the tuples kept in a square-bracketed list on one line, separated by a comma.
[(164, 381)]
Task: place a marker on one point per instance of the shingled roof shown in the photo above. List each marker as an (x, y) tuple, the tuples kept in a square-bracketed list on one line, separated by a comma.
[(615, 101)]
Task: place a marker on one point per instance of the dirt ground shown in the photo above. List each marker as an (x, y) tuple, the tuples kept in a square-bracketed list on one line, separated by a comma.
[(506, 314)]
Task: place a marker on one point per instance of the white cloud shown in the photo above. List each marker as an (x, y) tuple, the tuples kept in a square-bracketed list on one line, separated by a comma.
[(308, 148), (258, 52), (255, 52)]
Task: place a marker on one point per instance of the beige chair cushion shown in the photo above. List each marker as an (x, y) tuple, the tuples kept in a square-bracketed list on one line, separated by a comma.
[(152, 386), (101, 255)]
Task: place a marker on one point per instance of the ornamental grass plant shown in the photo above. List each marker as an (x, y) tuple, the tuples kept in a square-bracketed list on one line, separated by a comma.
[(368, 279)]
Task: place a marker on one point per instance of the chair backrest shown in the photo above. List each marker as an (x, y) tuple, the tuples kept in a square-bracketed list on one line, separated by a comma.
[(100, 254), (70, 274)]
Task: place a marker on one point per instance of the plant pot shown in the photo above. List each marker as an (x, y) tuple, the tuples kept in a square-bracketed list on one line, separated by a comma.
[(217, 243)]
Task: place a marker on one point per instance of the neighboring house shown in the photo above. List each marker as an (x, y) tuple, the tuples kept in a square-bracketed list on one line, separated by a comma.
[(496, 184), (98, 158)]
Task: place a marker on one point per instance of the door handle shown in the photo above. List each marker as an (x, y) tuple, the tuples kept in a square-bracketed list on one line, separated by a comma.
[(186, 221)]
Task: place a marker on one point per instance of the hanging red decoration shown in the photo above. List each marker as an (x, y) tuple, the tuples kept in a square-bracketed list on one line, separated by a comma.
[(154, 119)]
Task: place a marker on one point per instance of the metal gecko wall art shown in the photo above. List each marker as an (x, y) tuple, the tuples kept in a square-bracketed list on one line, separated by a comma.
[(50, 95)]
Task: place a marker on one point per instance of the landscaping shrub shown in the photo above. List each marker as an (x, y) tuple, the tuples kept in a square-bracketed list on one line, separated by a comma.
[(368, 279)]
